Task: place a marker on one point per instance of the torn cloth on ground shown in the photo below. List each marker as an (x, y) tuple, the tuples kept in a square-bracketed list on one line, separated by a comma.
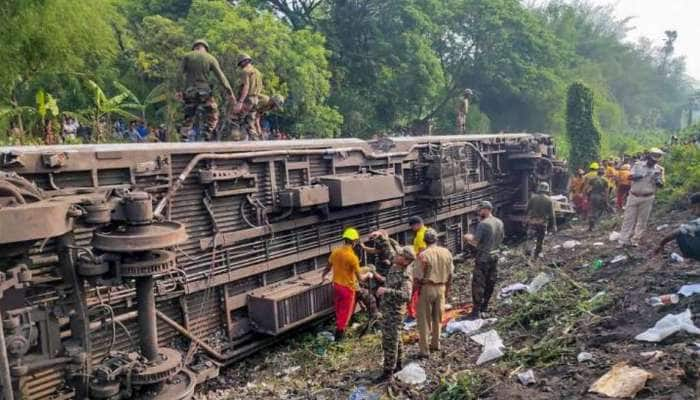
[(622, 381)]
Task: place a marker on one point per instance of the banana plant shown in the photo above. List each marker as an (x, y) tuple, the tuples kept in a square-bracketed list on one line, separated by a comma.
[(104, 108), (157, 95)]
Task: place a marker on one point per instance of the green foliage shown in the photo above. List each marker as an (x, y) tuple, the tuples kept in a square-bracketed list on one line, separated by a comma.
[(581, 129), (682, 170), (467, 385)]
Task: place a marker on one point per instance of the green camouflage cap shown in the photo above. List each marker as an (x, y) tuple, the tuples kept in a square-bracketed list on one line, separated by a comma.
[(202, 42), (407, 253), (278, 101), (243, 57)]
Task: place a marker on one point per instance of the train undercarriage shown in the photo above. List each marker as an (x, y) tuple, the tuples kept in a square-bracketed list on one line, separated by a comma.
[(137, 270)]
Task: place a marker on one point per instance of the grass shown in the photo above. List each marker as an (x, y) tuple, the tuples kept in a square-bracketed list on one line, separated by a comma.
[(466, 385)]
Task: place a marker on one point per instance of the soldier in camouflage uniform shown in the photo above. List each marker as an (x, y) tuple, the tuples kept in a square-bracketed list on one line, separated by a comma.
[(250, 92), (383, 250), (196, 92), (396, 292)]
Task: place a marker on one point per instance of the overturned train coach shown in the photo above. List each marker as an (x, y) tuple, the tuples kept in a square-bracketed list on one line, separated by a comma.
[(136, 271)]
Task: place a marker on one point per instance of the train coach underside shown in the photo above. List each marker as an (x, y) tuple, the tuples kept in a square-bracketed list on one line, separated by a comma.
[(135, 271)]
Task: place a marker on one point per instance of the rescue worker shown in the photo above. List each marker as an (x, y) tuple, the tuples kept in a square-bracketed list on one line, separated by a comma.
[(418, 227), (383, 249), (488, 236), (597, 189), (687, 236), (249, 91), (265, 106), (541, 216), (647, 176), (437, 269), (196, 93), (624, 182), (345, 265), (394, 296), (577, 194), (463, 110)]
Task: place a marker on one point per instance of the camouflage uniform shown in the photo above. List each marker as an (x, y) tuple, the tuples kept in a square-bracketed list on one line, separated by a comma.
[(489, 234), (250, 76), (598, 188), (386, 249), (540, 216), (398, 288), (197, 93)]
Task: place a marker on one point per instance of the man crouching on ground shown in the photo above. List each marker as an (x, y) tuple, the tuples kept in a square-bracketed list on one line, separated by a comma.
[(394, 296)]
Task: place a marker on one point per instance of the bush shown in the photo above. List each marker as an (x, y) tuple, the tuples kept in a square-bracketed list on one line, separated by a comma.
[(582, 132), (682, 166)]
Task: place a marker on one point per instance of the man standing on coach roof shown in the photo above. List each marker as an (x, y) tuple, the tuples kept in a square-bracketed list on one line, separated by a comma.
[(437, 268), (394, 295), (488, 236), (346, 270), (647, 176), (194, 89)]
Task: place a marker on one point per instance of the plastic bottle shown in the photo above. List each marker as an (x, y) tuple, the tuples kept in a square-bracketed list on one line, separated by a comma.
[(663, 300), (597, 264)]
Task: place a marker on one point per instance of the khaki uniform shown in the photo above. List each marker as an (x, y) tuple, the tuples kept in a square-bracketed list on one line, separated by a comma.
[(640, 200), (436, 263), (489, 234), (540, 216), (197, 92), (398, 287)]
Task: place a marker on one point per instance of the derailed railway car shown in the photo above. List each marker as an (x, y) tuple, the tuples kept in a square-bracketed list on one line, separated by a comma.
[(137, 270)]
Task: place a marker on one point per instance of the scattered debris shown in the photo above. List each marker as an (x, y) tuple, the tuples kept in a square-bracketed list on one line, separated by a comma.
[(653, 355), (467, 326), (689, 290), (622, 381), (618, 259), (662, 227), (412, 374), (662, 300), (361, 393), (527, 377), (557, 247), (675, 257), (584, 356), (669, 325), (410, 325), (493, 346), (291, 370), (598, 244), (512, 289), (597, 264), (614, 236), (327, 336), (539, 282), (570, 244)]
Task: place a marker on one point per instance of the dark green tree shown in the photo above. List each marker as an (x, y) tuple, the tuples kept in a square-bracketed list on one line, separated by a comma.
[(583, 134)]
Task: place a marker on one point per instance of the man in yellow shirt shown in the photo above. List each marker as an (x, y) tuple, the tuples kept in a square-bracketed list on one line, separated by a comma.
[(418, 228), (346, 273)]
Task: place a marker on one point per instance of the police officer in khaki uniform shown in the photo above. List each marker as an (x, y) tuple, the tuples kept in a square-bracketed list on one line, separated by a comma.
[(437, 269), (196, 93)]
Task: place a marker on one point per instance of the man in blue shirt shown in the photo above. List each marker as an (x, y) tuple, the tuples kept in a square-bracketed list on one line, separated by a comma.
[(687, 235)]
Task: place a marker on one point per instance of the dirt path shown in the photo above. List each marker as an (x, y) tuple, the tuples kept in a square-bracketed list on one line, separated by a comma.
[(544, 332)]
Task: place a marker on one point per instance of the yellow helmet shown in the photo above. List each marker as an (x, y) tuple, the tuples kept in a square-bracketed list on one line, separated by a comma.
[(351, 234), (594, 165)]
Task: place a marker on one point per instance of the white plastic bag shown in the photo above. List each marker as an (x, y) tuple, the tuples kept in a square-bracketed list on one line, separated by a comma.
[(493, 346), (412, 374), (527, 377), (570, 244), (669, 325), (614, 236), (689, 290), (467, 326), (538, 282), (512, 289)]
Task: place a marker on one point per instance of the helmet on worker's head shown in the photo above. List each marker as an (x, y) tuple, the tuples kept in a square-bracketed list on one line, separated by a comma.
[(543, 187), (656, 152), (351, 234), (200, 42), (626, 167), (467, 93), (415, 220), (594, 166), (278, 101), (580, 171), (485, 204), (243, 57), (431, 236)]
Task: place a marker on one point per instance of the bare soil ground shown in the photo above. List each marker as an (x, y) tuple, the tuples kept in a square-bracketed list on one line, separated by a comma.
[(544, 331)]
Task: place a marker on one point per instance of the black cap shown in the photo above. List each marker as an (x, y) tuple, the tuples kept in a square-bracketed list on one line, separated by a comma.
[(415, 220)]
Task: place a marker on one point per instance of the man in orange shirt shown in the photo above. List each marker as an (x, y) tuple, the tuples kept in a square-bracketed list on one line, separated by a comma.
[(577, 195), (346, 273)]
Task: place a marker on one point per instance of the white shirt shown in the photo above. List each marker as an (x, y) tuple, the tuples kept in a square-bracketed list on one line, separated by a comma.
[(646, 179)]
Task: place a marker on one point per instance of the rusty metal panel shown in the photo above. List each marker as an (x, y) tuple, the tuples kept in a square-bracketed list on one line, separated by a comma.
[(277, 309), (304, 196), (357, 189)]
